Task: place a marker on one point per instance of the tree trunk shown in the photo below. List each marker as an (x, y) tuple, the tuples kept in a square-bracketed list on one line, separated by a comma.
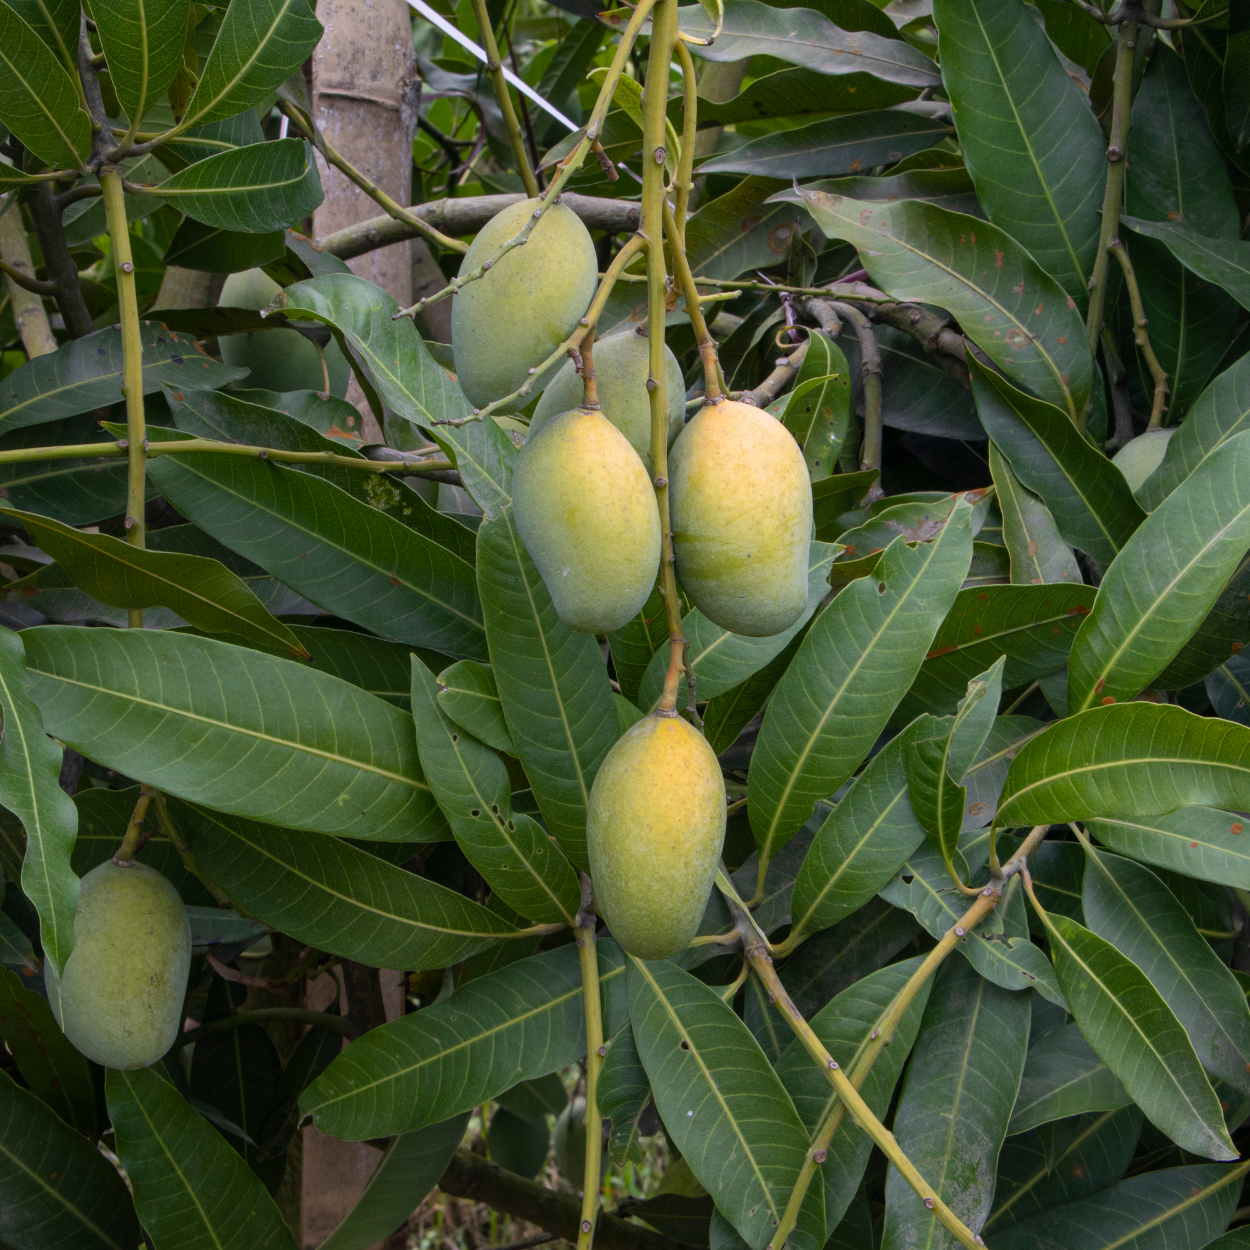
[(28, 311)]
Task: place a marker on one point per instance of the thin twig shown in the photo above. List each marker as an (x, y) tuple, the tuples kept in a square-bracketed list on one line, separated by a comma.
[(871, 374), (1141, 334), (595, 1050), (684, 181), (494, 67), (33, 285), (130, 840), (675, 229)]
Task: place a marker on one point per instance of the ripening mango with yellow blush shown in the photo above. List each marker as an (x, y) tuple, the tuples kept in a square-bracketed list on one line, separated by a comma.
[(741, 502)]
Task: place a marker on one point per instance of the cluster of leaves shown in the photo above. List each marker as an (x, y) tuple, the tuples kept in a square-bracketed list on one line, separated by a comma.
[(377, 738)]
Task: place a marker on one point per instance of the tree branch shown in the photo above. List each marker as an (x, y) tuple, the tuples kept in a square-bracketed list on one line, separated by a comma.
[(46, 216), (1140, 334)]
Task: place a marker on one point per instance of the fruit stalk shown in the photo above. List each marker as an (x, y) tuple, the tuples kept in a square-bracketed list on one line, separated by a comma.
[(590, 393), (130, 840), (585, 934), (132, 361)]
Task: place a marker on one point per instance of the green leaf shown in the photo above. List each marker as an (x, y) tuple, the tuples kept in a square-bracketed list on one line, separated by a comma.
[(38, 100), (1165, 581), (857, 660), (58, 1191), (263, 187), (214, 723), (1129, 759), (845, 1026), (337, 898), (143, 40), (1038, 553), (312, 1055), (202, 591), (513, 1025), (218, 1201), (1223, 262), (818, 409), (721, 1102), (1091, 502), (355, 561), (1133, 910), (975, 718), (86, 373), (411, 1164), (1179, 1207), (936, 798), (1064, 1077), (1200, 842), (1220, 636), (1221, 412), (50, 1066), (622, 1095), (807, 38), (213, 250), (373, 664), (742, 229), (956, 1102), (257, 47), (633, 645), (861, 846), (470, 784), (16, 951), (30, 770), (56, 23), (1027, 134), (552, 682), (979, 274), (1179, 174), (722, 660), (838, 145), (1124, 1018), (467, 693)]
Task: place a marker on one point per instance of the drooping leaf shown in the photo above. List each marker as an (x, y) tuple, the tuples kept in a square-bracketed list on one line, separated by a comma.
[(852, 668), (470, 783), (622, 1095), (142, 701), (143, 40), (1007, 304), (256, 189), (86, 373), (30, 769), (1133, 910), (467, 693), (1131, 759), (722, 1103), (1222, 261), (58, 1191), (1087, 495), (1038, 553), (1135, 1033), (1064, 1077), (552, 682), (515, 1024), (187, 1181), (1200, 842), (1027, 134), (956, 1102)]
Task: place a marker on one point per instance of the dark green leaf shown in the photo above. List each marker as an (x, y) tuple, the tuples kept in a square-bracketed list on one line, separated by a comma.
[(936, 798), (143, 40), (1200, 842), (622, 1095), (187, 1181), (552, 682), (858, 658), (211, 249), (312, 1055), (1221, 635), (742, 229), (818, 409), (981, 275), (515, 1024), (1064, 1077), (373, 664), (30, 789), (56, 23), (633, 645), (947, 188), (721, 1102), (1038, 554), (58, 1191), (791, 92), (467, 693), (214, 723), (1087, 495), (16, 950)]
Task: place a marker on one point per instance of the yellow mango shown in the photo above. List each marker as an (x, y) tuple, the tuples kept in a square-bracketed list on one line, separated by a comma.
[(621, 369), (587, 514), (510, 320), (741, 503), (655, 828), (119, 1000)]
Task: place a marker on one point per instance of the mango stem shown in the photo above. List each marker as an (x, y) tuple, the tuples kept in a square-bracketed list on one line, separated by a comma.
[(585, 931)]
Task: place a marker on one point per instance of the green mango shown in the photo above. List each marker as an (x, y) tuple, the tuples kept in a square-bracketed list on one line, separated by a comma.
[(119, 1000), (655, 828), (622, 365), (510, 320), (279, 360), (587, 515), (741, 503)]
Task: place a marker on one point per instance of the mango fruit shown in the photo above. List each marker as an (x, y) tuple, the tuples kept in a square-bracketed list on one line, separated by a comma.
[(621, 371), (279, 360), (655, 828), (512, 318), (119, 1000), (741, 503), (1138, 459), (587, 515)]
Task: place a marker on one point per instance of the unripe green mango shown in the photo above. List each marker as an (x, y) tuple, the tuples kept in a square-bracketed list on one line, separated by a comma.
[(1138, 459), (279, 360), (119, 1000), (622, 365), (587, 515), (510, 320), (655, 828), (741, 503)]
